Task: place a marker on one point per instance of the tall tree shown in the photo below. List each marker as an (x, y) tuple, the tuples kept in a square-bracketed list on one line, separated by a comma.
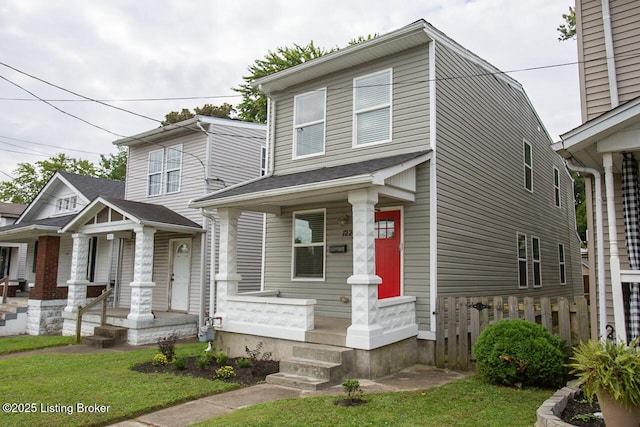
[(30, 178), (224, 111), (113, 166), (568, 29), (253, 107)]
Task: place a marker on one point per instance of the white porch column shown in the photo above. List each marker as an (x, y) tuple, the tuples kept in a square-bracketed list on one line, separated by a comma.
[(142, 285), (77, 294), (227, 278), (364, 282), (614, 253)]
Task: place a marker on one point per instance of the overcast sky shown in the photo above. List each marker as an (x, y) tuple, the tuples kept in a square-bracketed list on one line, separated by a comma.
[(126, 50)]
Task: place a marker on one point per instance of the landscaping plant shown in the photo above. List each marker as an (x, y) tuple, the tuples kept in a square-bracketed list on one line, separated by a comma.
[(167, 345), (179, 363), (517, 352), (353, 389), (225, 373), (243, 362)]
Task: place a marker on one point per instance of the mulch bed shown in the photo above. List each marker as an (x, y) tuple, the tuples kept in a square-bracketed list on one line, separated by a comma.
[(577, 412), (254, 374)]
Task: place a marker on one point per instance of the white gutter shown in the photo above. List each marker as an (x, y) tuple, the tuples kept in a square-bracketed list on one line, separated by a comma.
[(271, 121), (600, 280), (433, 192), (212, 267), (611, 59)]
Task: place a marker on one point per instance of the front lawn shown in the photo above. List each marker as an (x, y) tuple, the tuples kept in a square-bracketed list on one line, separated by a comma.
[(26, 342), (467, 402), (61, 389)]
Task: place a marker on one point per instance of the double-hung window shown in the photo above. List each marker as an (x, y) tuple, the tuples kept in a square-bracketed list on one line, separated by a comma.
[(64, 204), (308, 245), (528, 166), (522, 261), (173, 168), (154, 172), (164, 166), (556, 186), (537, 262), (309, 123), (372, 108), (561, 265)]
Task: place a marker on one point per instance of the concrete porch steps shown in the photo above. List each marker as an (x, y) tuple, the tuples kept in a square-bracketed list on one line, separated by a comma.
[(106, 336), (314, 367)]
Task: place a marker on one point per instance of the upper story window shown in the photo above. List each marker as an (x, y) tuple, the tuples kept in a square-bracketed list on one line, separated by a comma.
[(372, 108), (263, 161), (537, 262), (309, 123), (168, 163), (556, 186), (527, 157), (308, 245), (65, 204), (561, 265)]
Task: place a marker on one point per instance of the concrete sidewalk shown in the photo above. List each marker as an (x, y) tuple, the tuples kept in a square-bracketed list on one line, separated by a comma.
[(417, 377)]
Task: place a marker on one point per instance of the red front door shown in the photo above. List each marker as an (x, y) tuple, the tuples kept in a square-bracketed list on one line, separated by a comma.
[(387, 235)]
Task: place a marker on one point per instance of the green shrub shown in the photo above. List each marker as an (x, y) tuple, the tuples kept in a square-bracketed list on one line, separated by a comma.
[(516, 352), (225, 373), (353, 389), (221, 357), (243, 362), (167, 346), (179, 363), (203, 361)]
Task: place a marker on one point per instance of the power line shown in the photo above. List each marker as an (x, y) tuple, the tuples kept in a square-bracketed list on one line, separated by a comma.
[(174, 98), (48, 145)]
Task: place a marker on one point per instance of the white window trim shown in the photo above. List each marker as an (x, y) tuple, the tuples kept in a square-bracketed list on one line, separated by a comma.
[(525, 166), (263, 160), (166, 170), (66, 204), (525, 259), (556, 188), (562, 264), (161, 150), (536, 261), (354, 142), (294, 245), (295, 155)]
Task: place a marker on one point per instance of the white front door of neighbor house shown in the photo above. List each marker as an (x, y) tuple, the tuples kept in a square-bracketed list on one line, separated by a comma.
[(180, 274)]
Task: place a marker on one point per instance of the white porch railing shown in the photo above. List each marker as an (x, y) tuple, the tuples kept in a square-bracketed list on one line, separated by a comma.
[(397, 316), (270, 316), (629, 276)]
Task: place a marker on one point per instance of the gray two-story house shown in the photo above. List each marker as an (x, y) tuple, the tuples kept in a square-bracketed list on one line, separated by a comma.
[(399, 169), (164, 253)]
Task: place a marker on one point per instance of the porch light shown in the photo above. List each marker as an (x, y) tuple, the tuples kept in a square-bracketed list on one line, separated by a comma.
[(344, 220)]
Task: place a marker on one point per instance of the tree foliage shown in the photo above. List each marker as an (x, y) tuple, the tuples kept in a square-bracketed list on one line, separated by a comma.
[(579, 193), (568, 29), (253, 107), (31, 177), (224, 111), (113, 166)]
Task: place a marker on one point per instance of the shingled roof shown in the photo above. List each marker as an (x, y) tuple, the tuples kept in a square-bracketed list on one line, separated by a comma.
[(311, 176), (92, 187)]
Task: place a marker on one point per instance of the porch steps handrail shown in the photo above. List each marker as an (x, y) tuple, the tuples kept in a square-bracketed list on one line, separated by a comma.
[(103, 315)]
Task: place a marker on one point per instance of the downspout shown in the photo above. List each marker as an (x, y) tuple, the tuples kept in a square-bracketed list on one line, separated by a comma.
[(611, 59), (271, 121), (212, 267), (600, 281), (205, 225)]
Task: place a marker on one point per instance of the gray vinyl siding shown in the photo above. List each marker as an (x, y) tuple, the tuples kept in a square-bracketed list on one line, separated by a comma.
[(482, 201), (64, 259), (410, 113), (625, 31), (417, 237), (126, 274)]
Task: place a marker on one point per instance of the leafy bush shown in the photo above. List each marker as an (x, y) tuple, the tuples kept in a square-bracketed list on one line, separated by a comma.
[(179, 363), (160, 360), (221, 357), (254, 354), (353, 389), (516, 352), (167, 345), (225, 372), (203, 361), (243, 362)]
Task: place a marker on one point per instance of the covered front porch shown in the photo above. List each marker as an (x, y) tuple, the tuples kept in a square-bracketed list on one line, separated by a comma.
[(321, 216), (153, 267), (605, 150)]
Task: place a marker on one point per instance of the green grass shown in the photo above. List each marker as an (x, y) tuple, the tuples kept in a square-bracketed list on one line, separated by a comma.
[(26, 343), (467, 402), (103, 379)]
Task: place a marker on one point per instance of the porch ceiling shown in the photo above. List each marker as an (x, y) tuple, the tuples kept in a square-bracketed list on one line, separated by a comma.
[(269, 194)]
